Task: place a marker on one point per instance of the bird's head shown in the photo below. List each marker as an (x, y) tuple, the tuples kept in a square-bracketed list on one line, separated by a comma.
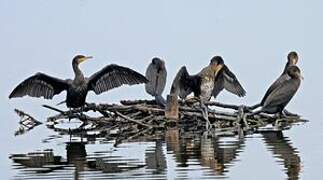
[(80, 58), (294, 72), (159, 63), (292, 58), (216, 63)]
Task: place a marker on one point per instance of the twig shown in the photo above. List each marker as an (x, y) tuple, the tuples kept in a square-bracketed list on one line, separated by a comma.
[(222, 105), (54, 109), (132, 120)]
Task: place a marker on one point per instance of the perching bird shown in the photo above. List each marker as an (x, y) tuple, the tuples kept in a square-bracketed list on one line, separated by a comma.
[(280, 95), (111, 76), (156, 74), (224, 79), (292, 60), (227, 80), (201, 84)]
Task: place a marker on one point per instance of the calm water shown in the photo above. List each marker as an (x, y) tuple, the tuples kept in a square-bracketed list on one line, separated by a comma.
[(253, 37), (85, 156)]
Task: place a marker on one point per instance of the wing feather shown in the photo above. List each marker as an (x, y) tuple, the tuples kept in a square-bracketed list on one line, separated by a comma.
[(157, 79), (232, 84), (113, 76), (282, 79), (39, 85), (218, 84), (282, 94)]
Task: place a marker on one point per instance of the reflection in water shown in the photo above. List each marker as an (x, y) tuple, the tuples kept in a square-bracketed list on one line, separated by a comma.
[(76, 155), (284, 152), (155, 158), (210, 152), (211, 157), (40, 162), (219, 155), (26, 122)]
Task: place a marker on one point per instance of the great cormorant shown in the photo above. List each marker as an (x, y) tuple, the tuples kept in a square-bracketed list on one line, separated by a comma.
[(156, 74), (111, 76), (210, 82), (201, 84), (227, 80), (292, 60), (280, 95)]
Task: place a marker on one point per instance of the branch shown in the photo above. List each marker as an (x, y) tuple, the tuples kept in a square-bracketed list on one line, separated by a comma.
[(132, 120)]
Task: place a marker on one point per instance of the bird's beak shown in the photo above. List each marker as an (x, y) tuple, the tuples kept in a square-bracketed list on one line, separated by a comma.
[(85, 58)]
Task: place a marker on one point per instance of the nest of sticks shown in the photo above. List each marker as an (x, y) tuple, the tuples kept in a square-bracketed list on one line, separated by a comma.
[(144, 119)]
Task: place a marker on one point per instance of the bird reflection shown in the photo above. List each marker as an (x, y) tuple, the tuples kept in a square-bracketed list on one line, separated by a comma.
[(156, 159), (219, 156), (76, 154), (210, 152), (183, 149), (284, 152)]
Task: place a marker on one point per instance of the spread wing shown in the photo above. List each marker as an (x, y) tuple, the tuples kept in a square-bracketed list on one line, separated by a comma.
[(282, 79), (40, 85), (113, 76), (184, 84), (218, 84), (282, 94), (231, 83), (157, 80)]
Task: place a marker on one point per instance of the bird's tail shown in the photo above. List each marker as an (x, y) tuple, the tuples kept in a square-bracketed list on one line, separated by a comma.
[(160, 100)]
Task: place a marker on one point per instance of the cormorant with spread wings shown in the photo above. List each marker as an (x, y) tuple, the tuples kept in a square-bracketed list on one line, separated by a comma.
[(111, 76)]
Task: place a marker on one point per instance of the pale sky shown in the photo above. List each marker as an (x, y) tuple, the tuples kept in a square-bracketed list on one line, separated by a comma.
[(254, 38)]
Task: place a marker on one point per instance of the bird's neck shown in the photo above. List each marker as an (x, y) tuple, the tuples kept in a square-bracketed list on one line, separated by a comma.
[(286, 66), (78, 73)]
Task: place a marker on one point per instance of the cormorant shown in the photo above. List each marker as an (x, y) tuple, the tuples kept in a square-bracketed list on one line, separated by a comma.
[(201, 84), (227, 80), (111, 76), (292, 59), (223, 79), (156, 74), (279, 96)]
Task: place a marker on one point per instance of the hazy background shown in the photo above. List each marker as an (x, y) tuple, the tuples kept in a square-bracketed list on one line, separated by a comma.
[(254, 38)]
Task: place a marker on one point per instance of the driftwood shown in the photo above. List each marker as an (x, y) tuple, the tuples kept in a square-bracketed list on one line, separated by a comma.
[(132, 120)]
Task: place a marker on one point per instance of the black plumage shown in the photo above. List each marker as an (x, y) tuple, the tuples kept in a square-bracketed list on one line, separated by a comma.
[(228, 81), (201, 84), (111, 76), (156, 74), (292, 60), (222, 79), (280, 95)]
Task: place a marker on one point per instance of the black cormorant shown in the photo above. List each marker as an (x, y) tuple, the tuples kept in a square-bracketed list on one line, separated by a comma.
[(227, 80), (277, 99), (208, 82), (156, 74), (292, 60), (111, 76), (201, 84)]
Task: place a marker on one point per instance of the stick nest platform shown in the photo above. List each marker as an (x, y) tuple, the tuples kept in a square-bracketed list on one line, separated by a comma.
[(144, 119)]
